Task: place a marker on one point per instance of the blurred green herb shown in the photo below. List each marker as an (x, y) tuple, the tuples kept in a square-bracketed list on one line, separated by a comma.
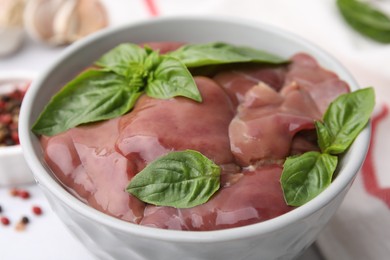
[(366, 19)]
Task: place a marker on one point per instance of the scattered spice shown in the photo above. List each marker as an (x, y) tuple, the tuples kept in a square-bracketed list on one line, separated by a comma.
[(5, 221), (24, 220), (37, 210), (15, 192)]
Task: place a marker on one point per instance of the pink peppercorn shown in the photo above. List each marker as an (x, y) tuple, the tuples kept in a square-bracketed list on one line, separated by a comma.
[(24, 194), (6, 118), (36, 210), (5, 221), (15, 137)]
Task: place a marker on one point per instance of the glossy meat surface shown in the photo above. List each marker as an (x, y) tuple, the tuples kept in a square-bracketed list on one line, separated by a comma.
[(157, 126), (253, 197)]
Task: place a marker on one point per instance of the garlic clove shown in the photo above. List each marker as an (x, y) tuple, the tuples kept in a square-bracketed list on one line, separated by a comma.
[(77, 19), (59, 22), (11, 26), (64, 23), (38, 17), (93, 21)]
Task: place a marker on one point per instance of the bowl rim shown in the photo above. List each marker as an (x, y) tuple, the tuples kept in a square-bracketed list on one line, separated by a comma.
[(350, 170)]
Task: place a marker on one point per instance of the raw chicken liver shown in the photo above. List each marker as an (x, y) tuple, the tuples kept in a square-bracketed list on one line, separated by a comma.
[(250, 119)]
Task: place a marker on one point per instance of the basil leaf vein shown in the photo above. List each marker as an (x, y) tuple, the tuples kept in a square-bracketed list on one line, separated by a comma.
[(181, 179)]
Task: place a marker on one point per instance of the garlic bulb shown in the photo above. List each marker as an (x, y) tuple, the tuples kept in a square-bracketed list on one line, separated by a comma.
[(11, 13), (11, 25), (59, 22)]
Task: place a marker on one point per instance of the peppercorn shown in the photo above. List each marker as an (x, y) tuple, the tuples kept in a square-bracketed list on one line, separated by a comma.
[(21, 225), (25, 220), (14, 192), (5, 98), (24, 194), (15, 137), (37, 210), (5, 221)]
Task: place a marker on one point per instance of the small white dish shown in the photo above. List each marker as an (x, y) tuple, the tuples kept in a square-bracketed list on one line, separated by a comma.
[(13, 167)]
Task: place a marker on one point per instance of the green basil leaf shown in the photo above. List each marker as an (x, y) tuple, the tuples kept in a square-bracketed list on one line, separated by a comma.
[(92, 96), (366, 19), (344, 120), (126, 59), (179, 179), (171, 78), (307, 175), (196, 55)]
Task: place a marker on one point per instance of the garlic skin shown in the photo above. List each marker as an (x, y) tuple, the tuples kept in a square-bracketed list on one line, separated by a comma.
[(61, 22), (11, 26)]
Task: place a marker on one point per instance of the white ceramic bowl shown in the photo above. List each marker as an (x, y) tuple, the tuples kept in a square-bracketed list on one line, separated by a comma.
[(13, 167), (284, 237)]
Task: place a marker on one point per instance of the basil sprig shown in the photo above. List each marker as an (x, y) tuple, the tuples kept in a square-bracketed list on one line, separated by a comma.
[(196, 55), (181, 179), (307, 175), (344, 120), (366, 19), (128, 71)]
